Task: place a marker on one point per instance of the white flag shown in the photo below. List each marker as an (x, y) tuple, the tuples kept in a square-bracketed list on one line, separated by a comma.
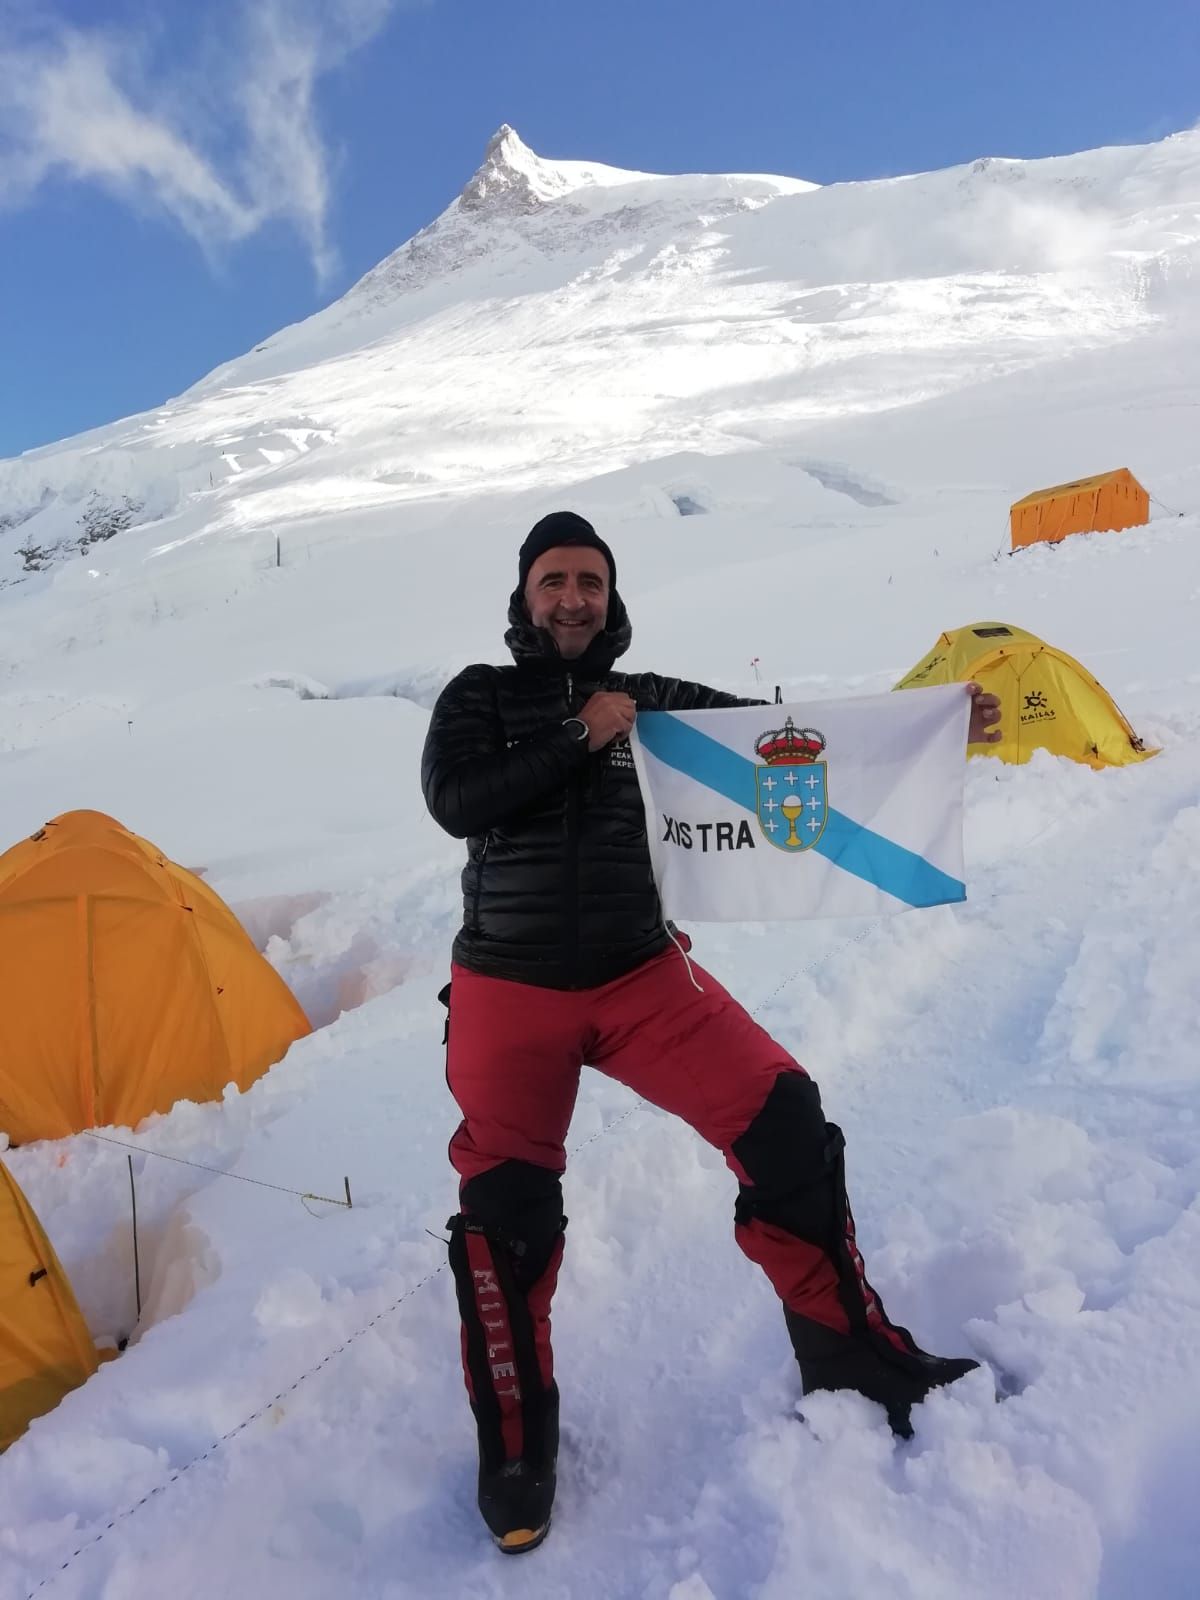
[(838, 808)]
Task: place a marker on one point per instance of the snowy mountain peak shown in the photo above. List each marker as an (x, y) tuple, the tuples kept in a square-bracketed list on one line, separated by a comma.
[(519, 211), (610, 314), (513, 176)]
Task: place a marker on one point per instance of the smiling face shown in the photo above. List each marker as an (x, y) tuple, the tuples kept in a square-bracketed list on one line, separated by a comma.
[(566, 594)]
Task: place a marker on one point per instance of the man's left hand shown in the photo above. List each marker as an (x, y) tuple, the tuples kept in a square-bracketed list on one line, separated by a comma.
[(985, 709)]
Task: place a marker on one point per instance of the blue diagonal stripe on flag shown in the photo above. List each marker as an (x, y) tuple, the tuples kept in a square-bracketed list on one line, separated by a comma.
[(846, 843), (678, 745)]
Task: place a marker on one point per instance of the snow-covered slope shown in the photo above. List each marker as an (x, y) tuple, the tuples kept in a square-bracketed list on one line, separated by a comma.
[(585, 319), (799, 414)]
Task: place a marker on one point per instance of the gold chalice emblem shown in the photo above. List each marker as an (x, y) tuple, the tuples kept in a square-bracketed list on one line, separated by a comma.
[(793, 809)]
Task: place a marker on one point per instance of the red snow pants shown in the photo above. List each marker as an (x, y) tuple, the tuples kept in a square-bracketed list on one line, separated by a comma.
[(513, 1062)]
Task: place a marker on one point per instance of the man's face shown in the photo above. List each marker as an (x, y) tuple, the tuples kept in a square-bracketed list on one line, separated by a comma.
[(566, 593)]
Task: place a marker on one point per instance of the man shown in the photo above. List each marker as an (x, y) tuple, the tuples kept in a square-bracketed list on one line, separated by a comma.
[(563, 958)]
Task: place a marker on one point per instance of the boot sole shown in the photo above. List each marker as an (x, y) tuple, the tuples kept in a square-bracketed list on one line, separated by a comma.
[(521, 1540)]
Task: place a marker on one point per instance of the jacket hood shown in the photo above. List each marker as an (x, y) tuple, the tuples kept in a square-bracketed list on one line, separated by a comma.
[(532, 646)]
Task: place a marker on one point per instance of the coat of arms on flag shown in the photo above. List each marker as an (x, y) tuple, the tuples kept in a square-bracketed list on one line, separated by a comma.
[(792, 786), (864, 794)]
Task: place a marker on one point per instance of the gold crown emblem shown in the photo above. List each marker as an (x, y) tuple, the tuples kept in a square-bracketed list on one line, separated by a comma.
[(789, 745)]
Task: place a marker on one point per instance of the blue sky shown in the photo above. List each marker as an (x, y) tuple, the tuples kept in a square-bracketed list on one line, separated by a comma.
[(179, 178)]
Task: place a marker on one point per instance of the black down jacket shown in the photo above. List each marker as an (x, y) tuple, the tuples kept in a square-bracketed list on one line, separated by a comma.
[(558, 889)]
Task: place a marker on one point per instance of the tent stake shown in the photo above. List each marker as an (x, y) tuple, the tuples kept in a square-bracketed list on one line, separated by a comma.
[(137, 1271), (349, 1202)]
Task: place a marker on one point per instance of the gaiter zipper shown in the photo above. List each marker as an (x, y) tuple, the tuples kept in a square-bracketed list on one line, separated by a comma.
[(571, 862)]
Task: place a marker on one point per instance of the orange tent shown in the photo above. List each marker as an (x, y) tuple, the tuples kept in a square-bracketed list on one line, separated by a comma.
[(126, 984), (45, 1348), (1089, 505)]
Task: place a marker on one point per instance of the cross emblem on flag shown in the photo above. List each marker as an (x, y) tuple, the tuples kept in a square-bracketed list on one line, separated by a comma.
[(793, 823)]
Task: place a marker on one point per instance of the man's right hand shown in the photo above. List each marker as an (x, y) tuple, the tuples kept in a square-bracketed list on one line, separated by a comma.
[(608, 716)]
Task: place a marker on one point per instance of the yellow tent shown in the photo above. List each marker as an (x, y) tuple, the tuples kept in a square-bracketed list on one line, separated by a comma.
[(1047, 700), (1109, 501), (126, 984), (45, 1348)]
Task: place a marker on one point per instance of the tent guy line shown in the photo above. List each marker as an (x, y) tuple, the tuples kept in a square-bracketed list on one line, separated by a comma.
[(122, 1516), (220, 1172)]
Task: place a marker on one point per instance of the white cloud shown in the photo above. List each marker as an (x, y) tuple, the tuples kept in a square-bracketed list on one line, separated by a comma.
[(62, 110), (85, 106)]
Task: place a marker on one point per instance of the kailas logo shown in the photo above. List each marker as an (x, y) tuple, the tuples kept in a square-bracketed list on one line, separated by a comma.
[(1036, 708), (792, 784), (934, 661)]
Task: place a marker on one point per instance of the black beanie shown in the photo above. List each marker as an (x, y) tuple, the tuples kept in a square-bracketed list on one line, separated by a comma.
[(561, 528)]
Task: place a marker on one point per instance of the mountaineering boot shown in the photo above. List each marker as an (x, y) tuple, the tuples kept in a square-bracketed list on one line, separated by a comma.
[(504, 1278), (793, 1218), (516, 1497), (875, 1356), (897, 1379)]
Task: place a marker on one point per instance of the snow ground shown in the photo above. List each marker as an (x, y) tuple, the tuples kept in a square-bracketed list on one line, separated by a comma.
[(843, 389)]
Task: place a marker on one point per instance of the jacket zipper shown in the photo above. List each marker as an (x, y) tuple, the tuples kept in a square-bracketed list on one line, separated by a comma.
[(571, 866), (487, 839)]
